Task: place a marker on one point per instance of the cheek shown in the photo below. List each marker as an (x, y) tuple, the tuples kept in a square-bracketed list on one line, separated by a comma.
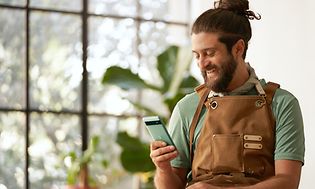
[(204, 62)]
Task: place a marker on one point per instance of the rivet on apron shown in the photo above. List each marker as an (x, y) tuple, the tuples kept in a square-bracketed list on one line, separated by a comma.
[(259, 103), (213, 104)]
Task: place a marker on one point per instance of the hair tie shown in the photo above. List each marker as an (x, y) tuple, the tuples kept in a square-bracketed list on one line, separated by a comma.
[(251, 15)]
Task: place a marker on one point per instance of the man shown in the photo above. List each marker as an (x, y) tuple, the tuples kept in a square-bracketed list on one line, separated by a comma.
[(235, 131)]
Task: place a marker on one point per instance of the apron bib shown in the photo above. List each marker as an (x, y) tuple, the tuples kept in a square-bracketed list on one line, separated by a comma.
[(236, 142)]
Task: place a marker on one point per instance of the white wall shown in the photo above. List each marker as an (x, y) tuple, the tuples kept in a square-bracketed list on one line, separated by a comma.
[(282, 50)]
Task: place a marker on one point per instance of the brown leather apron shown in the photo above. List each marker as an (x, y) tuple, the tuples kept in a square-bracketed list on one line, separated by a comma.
[(236, 142)]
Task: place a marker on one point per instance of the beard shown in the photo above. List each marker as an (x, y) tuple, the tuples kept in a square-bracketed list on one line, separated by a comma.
[(225, 73)]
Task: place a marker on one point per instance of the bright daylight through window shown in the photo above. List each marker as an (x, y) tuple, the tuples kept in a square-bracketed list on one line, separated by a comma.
[(53, 55)]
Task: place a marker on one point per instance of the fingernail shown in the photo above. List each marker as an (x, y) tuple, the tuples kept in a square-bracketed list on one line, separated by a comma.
[(172, 147)]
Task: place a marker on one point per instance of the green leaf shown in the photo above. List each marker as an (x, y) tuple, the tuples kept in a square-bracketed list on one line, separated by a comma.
[(105, 163), (188, 84), (137, 161), (135, 156), (171, 102), (140, 107), (128, 142), (125, 79), (90, 151), (73, 173), (166, 64)]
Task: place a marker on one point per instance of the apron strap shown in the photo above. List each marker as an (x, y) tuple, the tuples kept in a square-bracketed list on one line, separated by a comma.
[(270, 90), (203, 92)]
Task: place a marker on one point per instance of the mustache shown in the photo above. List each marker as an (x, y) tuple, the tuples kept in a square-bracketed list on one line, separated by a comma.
[(209, 67)]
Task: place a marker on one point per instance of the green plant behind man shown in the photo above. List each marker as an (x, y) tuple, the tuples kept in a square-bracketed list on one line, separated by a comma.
[(173, 67)]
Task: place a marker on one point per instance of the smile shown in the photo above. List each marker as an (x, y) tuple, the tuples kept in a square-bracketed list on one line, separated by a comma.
[(211, 71)]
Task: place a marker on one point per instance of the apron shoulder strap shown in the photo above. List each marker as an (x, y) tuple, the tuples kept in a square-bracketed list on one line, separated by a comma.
[(270, 90), (203, 92)]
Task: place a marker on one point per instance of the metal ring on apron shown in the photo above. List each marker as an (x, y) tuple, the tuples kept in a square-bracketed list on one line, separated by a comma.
[(259, 103), (214, 104)]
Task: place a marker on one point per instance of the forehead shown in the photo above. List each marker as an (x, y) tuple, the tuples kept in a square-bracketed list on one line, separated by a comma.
[(205, 40)]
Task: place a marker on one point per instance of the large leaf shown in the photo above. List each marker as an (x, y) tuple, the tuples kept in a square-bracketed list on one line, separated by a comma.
[(188, 84), (167, 65), (135, 156), (125, 79), (140, 107), (171, 102)]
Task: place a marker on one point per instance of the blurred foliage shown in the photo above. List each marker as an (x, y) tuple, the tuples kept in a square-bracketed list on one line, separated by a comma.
[(173, 67), (77, 166)]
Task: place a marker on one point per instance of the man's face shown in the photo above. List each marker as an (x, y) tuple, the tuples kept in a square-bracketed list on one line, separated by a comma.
[(217, 66)]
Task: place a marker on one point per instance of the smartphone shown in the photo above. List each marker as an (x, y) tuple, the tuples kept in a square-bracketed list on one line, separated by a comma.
[(157, 129)]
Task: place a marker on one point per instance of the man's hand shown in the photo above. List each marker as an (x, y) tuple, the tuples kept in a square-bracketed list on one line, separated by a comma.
[(161, 155), (166, 177)]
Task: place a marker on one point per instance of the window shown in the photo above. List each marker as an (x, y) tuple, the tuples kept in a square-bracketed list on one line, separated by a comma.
[(52, 57)]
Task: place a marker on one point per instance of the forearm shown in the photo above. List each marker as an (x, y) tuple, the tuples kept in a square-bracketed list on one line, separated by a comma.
[(276, 182), (168, 180), (287, 176)]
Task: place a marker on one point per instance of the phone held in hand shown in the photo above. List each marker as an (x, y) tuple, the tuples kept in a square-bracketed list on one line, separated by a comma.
[(157, 129)]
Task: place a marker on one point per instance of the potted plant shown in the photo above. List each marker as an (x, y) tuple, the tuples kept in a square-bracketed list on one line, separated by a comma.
[(78, 176)]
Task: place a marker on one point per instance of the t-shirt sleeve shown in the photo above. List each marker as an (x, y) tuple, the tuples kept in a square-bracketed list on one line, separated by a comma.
[(178, 132), (290, 141)]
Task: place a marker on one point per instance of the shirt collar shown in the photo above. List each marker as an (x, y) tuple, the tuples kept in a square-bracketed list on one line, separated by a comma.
[(245, 88)]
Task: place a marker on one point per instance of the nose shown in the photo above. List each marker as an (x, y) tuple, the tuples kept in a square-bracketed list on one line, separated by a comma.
[(203, 62)]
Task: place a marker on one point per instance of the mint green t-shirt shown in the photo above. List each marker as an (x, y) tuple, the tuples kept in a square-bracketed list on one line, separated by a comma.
[(289, 127)]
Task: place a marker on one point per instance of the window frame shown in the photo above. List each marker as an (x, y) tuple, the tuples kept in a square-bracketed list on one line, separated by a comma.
[(84, 113)]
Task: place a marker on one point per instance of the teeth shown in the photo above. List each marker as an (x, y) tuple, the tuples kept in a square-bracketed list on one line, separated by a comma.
[(210, 71)]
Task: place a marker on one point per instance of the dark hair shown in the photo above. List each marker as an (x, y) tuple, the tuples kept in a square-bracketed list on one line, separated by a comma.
[(229, 18)]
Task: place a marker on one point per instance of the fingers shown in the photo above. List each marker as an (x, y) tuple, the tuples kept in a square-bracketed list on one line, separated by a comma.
[(164, 153), (161, 154), (157, 144)]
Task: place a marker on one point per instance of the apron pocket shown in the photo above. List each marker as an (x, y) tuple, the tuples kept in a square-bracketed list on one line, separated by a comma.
[(227, 156)]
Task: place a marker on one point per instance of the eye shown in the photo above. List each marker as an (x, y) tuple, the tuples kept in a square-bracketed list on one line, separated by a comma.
[(210, 52), (196, 55)]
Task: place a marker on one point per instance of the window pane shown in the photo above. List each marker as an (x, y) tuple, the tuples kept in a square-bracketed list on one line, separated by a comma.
[(114, 7), (12, 58), (12, 150), (114, 176), (112, 42), (13, 2), (73, 5), (52, 137), (170, 10), (56, 65)]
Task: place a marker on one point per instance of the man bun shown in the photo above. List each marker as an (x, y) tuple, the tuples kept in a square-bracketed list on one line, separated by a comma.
[(240, 7)]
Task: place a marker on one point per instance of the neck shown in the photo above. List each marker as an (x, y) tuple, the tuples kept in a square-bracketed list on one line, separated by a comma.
[(241, 75)]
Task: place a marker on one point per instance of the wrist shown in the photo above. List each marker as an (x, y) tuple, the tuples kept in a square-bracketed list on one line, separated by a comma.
[(164, 170)]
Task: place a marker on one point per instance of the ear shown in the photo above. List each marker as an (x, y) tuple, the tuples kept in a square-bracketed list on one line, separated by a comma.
[(238, 48)]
